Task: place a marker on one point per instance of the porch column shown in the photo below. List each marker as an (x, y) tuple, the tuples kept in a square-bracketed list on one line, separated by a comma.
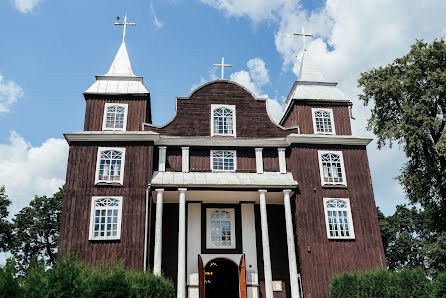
[(158, 232), (290, 242), (181, 279), (265, 245)]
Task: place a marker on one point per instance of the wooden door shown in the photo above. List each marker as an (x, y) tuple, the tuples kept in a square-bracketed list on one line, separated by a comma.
[(242, 274), (201, 276)]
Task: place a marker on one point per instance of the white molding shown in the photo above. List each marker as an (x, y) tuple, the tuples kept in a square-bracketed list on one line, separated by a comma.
[(349, 215), (322, 152), (185, 159), (282, 160), (98, 161), (162, 151), (92, 214), (212, 160), (209, 231), (104, 118), (234, 121), (330, 111), (111, 136), (327, 139), (259, 160)]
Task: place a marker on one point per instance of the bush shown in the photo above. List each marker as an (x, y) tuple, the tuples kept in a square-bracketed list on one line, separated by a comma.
[(440, 286), (9, 285)]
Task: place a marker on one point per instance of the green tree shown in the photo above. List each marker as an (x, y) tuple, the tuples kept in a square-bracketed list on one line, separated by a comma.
[(5, 225), (36, 230)]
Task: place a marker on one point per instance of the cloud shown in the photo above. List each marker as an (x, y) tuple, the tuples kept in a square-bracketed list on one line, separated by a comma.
[(26, 6), (156, 21), (28, 171), (10, 92)]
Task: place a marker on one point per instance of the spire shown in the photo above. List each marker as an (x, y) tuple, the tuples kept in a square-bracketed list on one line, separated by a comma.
[(308, 71), (121, 65)]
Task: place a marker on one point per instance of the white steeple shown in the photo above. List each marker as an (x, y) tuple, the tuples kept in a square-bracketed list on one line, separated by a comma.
[(121, 65), (308, 71)]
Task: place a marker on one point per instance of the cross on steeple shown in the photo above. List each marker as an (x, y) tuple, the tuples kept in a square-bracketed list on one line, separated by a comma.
[(125, 26), (223, 65), (303, 34)]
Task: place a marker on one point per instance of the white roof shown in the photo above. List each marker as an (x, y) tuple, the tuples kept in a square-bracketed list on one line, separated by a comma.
[(223, 179), (120, 78)]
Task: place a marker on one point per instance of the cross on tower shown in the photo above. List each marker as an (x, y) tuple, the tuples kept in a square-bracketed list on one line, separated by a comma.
[(125, 26), (223, 65), (303, 34)]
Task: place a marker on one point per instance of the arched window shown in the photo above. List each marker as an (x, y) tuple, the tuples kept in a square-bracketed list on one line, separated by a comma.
[(223, 120), (115, 117), (332, 168), (105, 218), (220, 228), (338, 219), (110, 165), (323, 121)]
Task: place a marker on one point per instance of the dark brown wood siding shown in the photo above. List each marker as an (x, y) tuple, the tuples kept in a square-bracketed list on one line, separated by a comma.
[(320, 258), (80, 188), (270, 160), (174, 159)]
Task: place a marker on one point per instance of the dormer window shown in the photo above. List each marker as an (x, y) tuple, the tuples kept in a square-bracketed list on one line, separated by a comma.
[(323, 121), (115, 116), (223, 120)]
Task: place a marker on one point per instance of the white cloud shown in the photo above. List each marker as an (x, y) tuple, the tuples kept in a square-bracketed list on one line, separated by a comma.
[(156, 21), (28, 171), (10, 92), (26, 6)]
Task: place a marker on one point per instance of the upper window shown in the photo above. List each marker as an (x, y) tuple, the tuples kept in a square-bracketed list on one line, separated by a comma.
[(323, 121), (223, 120), (223, 160), (220, 228), (110, 165), (338, 219), (331, 165), (105, 218), (115, 116)]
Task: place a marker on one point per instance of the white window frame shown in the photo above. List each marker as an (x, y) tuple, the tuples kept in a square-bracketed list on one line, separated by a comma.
[(104, 119), (209, 244), (234, 123), (321, 170), (349, 217), (98, 162), (92, 217), (212, 160), (330, 111)]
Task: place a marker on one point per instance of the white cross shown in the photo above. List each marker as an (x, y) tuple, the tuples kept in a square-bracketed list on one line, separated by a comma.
[(125, 26), (223, 65), (303, 34)]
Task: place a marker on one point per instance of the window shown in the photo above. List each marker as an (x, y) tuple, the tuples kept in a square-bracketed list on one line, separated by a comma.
[(323, 121), (338, 219), (115, 116), (110, 165), (331, 165), (223, 160), (105, 218), (220, 228), (223, 120)]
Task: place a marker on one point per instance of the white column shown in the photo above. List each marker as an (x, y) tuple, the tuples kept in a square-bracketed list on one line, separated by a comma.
[(259, 160), (162, 158), (181, 278), (290, 242), (185, 159), (282, 160), (265, 245), (193, 247), (250, 249), (158, 232)]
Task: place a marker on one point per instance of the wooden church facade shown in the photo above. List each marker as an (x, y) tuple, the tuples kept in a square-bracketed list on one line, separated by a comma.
[(221, 199)]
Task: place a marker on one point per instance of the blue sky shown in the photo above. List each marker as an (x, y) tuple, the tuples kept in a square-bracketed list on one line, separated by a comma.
[(51, 51)]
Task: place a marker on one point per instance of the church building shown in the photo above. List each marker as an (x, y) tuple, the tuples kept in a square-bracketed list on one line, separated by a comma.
[(221, 199)]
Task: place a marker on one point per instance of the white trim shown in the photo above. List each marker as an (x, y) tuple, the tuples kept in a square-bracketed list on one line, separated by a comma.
[(212, 160), (282, 160), (185, 159), (92, 215), (104, 119), (349, 216), (162, 151), (234, 123), (341, 158), (259, 160), (98, 161), (209, 244), (330, 111)]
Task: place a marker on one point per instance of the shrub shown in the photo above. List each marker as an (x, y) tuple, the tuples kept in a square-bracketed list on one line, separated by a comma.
[(439, 289), (9, 286)]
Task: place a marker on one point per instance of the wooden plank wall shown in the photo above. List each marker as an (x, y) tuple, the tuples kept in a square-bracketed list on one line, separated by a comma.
[(79, 190)]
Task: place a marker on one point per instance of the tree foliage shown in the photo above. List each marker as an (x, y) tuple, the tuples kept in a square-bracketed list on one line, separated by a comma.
[(5, 225)]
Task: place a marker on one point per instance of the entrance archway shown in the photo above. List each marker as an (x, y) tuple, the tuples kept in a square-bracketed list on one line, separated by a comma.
[(221, 279)]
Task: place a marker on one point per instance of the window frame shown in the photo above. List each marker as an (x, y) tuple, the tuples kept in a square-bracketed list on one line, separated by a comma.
[(234, 123), (98, 162), (104, 118), (212, 160), (209, 244), (349, 217), (321, 169), (330, 111), (92, 217)]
